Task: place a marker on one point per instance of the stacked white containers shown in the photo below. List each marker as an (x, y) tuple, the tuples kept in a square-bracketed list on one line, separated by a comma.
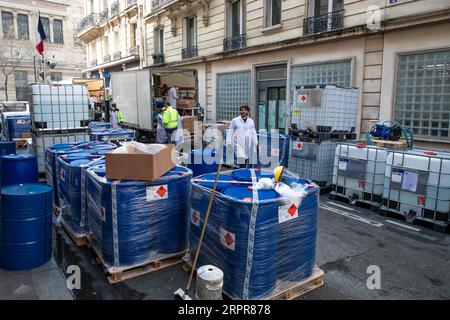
[(59, 114), (358, 172), (417, 185), (329, 111)]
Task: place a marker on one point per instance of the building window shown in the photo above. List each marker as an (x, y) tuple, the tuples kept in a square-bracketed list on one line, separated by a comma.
[(46, 25), (273, 13), (21, 80), (233, 90), (323, 16), (191, 37), (422, 101), (22, 26), (56, 76), (159, 41), (235, 18), (58, 35), (7, 25)]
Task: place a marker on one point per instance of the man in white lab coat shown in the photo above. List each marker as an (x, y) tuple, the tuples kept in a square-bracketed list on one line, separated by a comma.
[(173, 96), (242, 138)]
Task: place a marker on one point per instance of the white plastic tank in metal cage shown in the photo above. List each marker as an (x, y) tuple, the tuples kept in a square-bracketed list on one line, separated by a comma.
[(417, 185), (358, 172)]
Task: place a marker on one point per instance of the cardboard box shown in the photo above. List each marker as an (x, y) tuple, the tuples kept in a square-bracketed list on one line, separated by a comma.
[(137, 165), (25, 135)]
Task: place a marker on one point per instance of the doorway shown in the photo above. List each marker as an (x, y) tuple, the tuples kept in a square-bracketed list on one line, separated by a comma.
[(272, 108)]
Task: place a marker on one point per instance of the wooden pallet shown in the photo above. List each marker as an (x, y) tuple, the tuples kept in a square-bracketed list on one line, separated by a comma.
[(401, 144), (287, 290), (118, 274), (79, 239)]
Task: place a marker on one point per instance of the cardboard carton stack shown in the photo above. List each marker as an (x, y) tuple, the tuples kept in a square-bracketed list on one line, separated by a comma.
[(187, 122), (185, 103)]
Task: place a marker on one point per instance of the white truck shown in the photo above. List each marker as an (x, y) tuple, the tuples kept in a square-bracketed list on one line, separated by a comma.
[(137, 93)]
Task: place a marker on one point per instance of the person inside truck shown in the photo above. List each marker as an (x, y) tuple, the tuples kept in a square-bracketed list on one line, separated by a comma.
[(173, 96), (116, 117)]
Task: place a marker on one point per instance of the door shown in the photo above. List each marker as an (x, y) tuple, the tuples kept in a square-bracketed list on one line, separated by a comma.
[(272, 108)]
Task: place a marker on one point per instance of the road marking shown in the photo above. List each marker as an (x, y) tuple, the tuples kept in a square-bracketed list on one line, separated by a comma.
[(402, 225), (340, 206), (351, 216)]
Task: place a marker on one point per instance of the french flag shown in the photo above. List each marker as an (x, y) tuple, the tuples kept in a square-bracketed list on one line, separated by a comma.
[(40, 37)]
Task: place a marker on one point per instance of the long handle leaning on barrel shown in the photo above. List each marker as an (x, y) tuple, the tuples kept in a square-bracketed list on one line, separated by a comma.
[(204, 227)]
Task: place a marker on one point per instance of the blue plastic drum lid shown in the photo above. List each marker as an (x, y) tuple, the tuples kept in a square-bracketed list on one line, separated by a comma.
[(224, 181), (87, 162), (7, 147), (19, 168), (246, 175), (25, 226), (236, 221)]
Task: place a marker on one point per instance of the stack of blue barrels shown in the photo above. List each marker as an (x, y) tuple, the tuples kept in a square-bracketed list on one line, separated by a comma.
[(134, 222), (16, 125), (118, 134), (203, 161), (74, 150), (257, 255), (72, 188)]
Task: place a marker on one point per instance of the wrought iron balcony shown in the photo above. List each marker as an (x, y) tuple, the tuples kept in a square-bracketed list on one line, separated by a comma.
[(187, 53), (235, 43), (324, 23), (107, 59), (158, 58), (117, 55), (133, 50), (92, 19), (93, 62), (115, 8), (131, 2), (104, 15)]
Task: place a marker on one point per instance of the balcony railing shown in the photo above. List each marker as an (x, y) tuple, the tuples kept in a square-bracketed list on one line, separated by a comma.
[(92, 19), (133, 50), (131, 2), (235, 43), (107, 59), (117, 55), (104, 15), (187, 53), (324, 23), (93, 62), (158, 58), (160, 3), (115, 8)]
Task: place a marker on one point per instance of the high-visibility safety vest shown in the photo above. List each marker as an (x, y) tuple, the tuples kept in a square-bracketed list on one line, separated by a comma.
[(120, 117), (170, 118)]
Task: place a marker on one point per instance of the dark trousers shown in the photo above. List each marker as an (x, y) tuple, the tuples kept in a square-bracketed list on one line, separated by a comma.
[(169, 137)]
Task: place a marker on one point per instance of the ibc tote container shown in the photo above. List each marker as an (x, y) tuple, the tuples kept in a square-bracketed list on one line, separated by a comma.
[(359, 172), (417, 185)]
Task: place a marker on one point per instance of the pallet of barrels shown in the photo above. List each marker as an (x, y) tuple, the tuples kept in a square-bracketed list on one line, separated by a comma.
[(262, 238)]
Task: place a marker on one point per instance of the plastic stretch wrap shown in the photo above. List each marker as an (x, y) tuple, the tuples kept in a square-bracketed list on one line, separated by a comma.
[(273, 149), (262, 239), (51, 154), (95, 126), (72, 188), (112, 134), (136, 222)]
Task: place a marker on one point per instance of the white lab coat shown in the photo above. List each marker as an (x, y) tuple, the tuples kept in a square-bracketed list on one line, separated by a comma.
[(160, 131), (172, 97), (243, 138)]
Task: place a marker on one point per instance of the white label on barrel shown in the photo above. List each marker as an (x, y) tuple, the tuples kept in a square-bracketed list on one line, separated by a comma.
[(287, 212), (157, 192), (275, 152), (397, 177), (195, 217), (228, 239)]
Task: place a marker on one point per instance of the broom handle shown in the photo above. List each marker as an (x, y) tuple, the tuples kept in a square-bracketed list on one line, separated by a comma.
[(204, 227)]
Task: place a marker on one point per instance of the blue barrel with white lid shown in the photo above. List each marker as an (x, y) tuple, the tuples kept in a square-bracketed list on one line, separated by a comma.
[(25, 226), (19, 168), (127, 224)]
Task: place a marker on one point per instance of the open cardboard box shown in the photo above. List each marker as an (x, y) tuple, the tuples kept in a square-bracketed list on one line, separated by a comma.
[(138, 165)]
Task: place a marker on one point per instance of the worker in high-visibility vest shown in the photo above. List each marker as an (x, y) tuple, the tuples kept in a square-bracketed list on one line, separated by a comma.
[(170, 121), (116, 117)]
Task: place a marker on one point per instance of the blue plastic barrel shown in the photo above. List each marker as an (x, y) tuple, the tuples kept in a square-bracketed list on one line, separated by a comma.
[(203, 161), (125, 216), (99, 126), (7, 147), (25, 226), (245, 174), (18, 125), (275, 147), (19, 168), (207, 180)]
